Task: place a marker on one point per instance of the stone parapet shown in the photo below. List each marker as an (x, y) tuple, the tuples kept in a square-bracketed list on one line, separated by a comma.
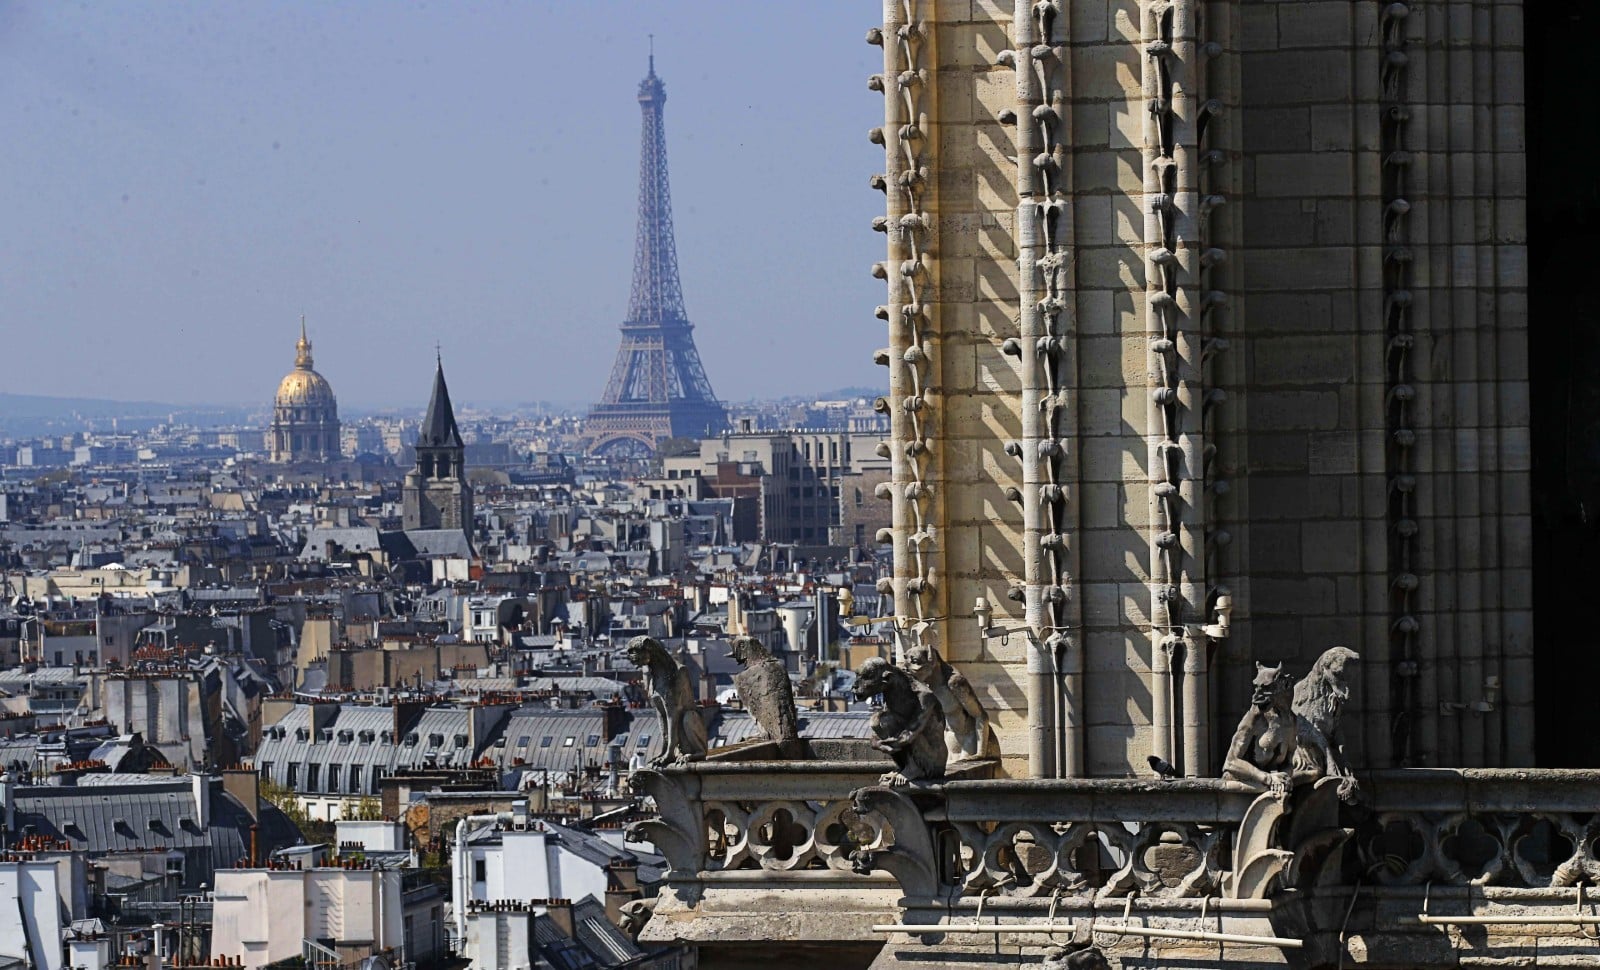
[(1434, 867)]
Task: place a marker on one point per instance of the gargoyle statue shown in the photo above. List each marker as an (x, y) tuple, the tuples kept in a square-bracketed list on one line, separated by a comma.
[(909, 726), (667, 685), (635, 913), (765, 691), (1262, 754), (1075, 956), (1319, 701), (966, 723), (1282, 742)]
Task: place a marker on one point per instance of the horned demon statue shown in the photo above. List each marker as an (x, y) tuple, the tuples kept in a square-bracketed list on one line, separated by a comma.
[(1291, 734)]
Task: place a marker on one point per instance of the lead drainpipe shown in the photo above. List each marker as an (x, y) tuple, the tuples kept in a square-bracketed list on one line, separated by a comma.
[(1196, 704), (1161, 691)]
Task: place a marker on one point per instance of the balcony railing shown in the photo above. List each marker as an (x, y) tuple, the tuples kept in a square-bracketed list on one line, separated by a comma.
[(1481, 827)]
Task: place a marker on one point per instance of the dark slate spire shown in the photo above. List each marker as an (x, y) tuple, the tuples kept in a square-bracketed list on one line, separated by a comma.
[(439, 426)]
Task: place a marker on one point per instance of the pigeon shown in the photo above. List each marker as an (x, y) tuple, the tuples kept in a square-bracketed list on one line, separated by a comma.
[(1163, 768)]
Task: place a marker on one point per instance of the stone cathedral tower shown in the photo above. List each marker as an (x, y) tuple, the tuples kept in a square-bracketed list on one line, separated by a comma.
[(1207, 345), (436, 494), (1207, 348)]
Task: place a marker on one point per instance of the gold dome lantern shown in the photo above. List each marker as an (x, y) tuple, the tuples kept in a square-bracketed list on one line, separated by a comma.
[(305, 414)]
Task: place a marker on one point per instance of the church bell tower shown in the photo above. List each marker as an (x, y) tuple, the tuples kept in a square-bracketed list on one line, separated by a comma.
[(436, 494)]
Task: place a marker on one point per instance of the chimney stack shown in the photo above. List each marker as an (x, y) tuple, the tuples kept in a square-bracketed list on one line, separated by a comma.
[(245, 785), (560, 913), (622, 887)]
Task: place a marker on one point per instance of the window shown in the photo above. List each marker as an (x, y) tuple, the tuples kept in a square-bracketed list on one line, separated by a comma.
[(480, 871), (355, 779), (522, 742), (594, 740), (644, 740), (333, 778), (546, 741), (294, 773), (311, 777), (569, 742)]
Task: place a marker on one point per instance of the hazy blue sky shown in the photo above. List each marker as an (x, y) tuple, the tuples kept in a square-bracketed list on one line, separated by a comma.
[(183, 180)]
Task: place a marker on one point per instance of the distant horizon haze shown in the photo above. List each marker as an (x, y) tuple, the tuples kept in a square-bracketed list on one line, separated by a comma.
[(187, 180)]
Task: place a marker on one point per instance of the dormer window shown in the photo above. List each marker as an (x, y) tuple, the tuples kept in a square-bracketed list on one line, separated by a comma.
[(461, 740), (435, 740), (412, 739), (302, 734), (345, 737), (367, 737)]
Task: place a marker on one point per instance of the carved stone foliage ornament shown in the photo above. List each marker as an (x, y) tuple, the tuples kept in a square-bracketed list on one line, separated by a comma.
[(667, 685), (910, 725), (765, 691)]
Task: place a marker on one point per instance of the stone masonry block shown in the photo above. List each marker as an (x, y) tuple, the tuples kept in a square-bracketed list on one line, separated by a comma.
[(1296, 77), (1326, 268), (1303, 359), (1331, 547), (1320, 24), (1304, 174)]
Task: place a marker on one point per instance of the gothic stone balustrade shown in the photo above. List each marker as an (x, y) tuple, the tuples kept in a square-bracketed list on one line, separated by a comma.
[(762, 849), (820, 851)]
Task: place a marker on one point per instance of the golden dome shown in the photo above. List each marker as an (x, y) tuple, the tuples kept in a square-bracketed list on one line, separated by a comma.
[(304, 387)]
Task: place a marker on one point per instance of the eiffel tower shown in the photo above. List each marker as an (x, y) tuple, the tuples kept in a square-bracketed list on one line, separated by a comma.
[(658, 388)]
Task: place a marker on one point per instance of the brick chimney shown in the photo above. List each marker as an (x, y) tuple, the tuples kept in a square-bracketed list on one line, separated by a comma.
[(560, 913), (245, 785), (622, 887)]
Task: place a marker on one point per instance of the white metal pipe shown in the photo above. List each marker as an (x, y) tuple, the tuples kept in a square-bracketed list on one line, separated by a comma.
[(1281, 942), (1574, 919)]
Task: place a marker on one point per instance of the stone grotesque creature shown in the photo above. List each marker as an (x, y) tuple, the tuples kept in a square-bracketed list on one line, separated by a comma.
[(635, 914), (1319, 701), (765, 691), (667, 685), (1075, 956), (909, 726), (1282, 741), (966, 722), (1262, 754)]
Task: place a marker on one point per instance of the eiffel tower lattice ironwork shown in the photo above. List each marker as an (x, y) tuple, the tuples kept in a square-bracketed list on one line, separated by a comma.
[(658, 388)]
